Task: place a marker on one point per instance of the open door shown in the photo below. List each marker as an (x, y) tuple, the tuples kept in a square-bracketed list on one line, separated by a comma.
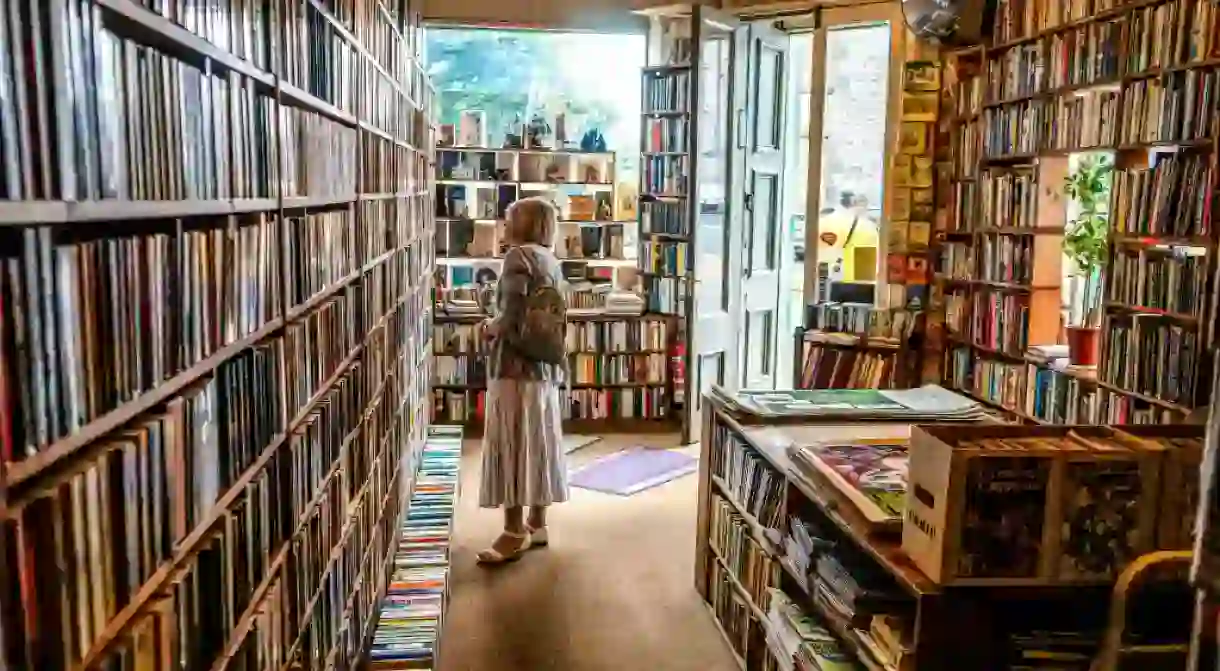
[(712, 350), (760, 191)]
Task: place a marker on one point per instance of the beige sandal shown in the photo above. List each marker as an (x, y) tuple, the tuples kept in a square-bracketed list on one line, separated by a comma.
[(538, 537), (492, 556)]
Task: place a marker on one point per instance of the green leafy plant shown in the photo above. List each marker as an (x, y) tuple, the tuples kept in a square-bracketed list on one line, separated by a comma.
[(1084, 242)]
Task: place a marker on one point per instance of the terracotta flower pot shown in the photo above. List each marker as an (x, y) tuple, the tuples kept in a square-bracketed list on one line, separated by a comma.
[(1082, 345)]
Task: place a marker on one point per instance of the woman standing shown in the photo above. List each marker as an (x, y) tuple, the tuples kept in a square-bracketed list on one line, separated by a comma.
[(523, 458)]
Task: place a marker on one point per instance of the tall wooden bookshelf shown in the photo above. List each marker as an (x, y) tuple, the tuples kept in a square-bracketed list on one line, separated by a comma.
[(1067, 78), (684, 182), (619, 362), (217, 254)]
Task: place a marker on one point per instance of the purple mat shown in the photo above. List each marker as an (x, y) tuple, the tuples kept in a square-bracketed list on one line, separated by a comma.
[(633, 470)]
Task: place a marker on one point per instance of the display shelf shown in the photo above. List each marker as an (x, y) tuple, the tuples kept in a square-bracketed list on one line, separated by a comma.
[(238, 204)]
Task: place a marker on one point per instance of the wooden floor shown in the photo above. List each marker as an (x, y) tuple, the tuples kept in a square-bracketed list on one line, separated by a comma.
[(614, 592)]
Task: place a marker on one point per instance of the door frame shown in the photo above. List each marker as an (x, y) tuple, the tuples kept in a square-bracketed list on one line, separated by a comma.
[(826, 19)]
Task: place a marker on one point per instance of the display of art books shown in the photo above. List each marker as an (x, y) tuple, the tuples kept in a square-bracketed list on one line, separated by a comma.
[(870, 474)]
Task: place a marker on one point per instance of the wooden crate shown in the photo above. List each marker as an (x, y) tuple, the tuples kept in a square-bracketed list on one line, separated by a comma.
[(1179, 497), (1020, 510)]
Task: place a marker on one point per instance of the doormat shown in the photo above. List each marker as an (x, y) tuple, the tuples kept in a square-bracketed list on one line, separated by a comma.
[(573, 443), (633, 470)]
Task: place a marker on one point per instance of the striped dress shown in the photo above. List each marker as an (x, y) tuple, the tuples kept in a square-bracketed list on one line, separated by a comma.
[(523, 458)]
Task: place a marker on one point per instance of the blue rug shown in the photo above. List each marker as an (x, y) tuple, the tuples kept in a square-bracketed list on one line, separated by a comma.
[(633, 470)]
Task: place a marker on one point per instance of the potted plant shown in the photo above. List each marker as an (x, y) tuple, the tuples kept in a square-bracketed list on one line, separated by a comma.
[(1084, 243)]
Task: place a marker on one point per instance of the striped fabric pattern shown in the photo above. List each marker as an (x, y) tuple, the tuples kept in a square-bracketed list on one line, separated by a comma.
[(523, 458)]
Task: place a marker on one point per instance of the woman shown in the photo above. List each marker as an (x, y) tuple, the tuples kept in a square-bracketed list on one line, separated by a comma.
[(523, 458)]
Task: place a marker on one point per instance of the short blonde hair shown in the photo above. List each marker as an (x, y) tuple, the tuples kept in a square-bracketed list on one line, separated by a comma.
[(532, 221)]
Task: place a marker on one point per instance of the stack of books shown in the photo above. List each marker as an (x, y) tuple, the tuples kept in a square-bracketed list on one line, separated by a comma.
[(408, 627), (929, 403)]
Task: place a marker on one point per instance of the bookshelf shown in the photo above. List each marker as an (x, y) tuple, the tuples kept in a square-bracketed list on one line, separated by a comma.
[(1062, 79), (619, 366), (217, 234), (685, 164)]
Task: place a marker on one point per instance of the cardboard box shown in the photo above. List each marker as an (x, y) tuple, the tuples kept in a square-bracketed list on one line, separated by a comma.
[(1029, 506)]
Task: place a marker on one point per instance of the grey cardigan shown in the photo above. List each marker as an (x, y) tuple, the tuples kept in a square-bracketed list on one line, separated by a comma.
[(526, 268)]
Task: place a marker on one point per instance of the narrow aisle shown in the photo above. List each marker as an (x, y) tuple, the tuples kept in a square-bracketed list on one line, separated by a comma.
[(615, 591)]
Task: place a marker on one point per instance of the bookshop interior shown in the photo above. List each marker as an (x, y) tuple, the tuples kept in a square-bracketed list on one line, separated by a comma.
[(816, 257)]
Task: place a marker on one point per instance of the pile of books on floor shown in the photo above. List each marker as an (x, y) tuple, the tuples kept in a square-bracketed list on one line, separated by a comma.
[(929, 403), (409, 625)]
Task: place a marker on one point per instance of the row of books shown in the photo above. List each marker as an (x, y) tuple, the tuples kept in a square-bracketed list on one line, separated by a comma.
[(748, 478), (618, 336), (1083, 120), (330, 59), (957, 260), (459, 369), (1076, 57), (1169, 198), (1178, 106), (319, 251), (965, 206), (1008, 198), (629, 335), (825, 366), (388, 167), (664, 216), (1005, 258), (585, 369), (319, 154), (667, 92), (666, 295), (864, 319), (663, 257), (114, 523), (578, 404), (1145, 354), (968, 95), (1019, 19), (1169, 34), (733, 542), (966, 143), (147, 126), (1000, 321), (1163, 279), (412, 612), (998, 382), (730, 607), (667, 175), (90, 323), (666, 134), (385, 224), (595, 369), (1059, 398)]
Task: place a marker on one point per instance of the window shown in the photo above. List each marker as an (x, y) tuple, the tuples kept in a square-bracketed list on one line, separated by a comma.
[(511, 74)]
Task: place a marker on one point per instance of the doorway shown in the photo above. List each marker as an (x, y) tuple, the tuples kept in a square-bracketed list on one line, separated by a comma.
[(841, 85)]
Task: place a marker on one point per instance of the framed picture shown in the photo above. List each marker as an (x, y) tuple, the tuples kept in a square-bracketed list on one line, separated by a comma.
[(913, 137), (921, 173), (900, 204), (921, 76), (919, 105), (901, 170)]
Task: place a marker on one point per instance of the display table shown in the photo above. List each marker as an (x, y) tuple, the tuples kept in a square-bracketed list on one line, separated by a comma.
[(749, 495)]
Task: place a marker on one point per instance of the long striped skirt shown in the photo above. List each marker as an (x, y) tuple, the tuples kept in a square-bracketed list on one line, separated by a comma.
[(523, 458)]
